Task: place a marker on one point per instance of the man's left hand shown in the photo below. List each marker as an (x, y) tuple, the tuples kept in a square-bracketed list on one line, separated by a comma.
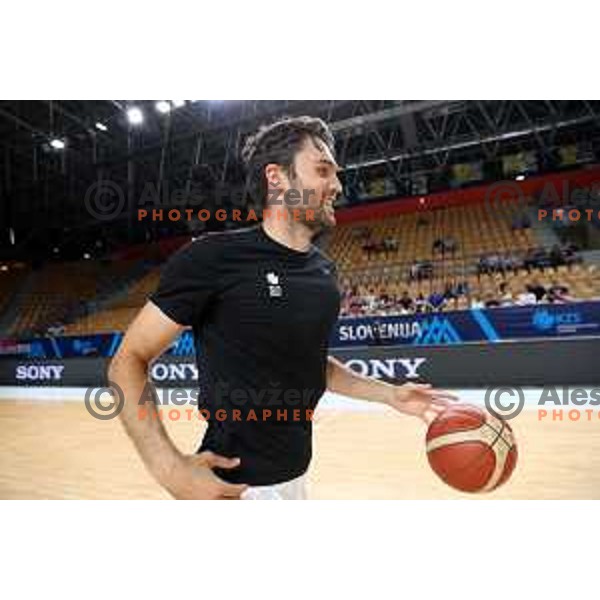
[(421, 400)]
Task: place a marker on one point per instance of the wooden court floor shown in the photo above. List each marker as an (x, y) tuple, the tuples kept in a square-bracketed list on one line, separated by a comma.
[(57, 450)]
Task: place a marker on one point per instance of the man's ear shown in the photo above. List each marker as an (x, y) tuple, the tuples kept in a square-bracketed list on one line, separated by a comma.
[(273, 175)]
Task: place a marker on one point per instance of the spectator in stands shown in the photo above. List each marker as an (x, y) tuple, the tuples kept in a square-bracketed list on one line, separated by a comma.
[(571, 247), (444, 245), (538, 290), (426, 269), (356, 306), (556, 256), (477, 302), (453, 304), (420, 304), (384, 306), (406, 302), (493, 262), (490, 264), (569, 254), (371, 301), (436, 301), (461, 288), (389, 245), (526, 298), (450, 292), (505, 264), (536, 258), (528, 261), (506, 297), (491, 301), (420, 270), (512, 262), (559, 294), (482, 266), (413, 272)]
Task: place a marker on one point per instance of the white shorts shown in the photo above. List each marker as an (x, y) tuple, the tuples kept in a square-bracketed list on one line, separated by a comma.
[(295, 489)]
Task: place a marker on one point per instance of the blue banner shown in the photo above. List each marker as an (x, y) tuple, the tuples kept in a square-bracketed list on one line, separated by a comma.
[(73, 346), (457, 327), (475, 325)]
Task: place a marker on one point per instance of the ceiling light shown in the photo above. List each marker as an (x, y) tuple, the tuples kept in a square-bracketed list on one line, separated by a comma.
[(163, 107), (135, 115)]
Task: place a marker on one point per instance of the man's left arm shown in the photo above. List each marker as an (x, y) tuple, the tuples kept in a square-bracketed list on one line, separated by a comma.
[(416, 399)]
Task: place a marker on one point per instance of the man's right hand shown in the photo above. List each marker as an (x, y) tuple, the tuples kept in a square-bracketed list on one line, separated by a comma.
[(192, 478), (185, 477)]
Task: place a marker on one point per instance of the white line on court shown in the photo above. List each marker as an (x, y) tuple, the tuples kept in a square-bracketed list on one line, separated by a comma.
[(328, 401)]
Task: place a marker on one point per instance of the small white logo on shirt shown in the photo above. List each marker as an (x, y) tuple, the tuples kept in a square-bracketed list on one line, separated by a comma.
[(275, 290)]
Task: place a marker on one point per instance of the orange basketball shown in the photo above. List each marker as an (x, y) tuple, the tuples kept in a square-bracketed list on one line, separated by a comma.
[(470, 449)]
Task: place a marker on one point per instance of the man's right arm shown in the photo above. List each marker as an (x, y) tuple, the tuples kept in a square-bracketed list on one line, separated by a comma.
[(185, 477)]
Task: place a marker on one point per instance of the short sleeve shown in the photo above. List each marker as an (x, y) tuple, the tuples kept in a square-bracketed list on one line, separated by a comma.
[(187, 283)]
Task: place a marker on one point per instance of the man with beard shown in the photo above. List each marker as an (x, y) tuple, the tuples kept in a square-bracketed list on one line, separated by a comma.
[(262, 302)]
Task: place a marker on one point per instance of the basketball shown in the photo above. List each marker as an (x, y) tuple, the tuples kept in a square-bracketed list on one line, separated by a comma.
[(471, 450)]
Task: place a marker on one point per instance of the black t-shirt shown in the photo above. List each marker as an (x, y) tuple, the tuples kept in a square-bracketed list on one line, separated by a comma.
[(263, 314)]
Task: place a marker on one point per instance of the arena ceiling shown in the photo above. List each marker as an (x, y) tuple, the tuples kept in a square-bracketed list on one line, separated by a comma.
[(193, 141)]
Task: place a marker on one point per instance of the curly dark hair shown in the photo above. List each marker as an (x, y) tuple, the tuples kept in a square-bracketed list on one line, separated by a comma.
[(278, 143)]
